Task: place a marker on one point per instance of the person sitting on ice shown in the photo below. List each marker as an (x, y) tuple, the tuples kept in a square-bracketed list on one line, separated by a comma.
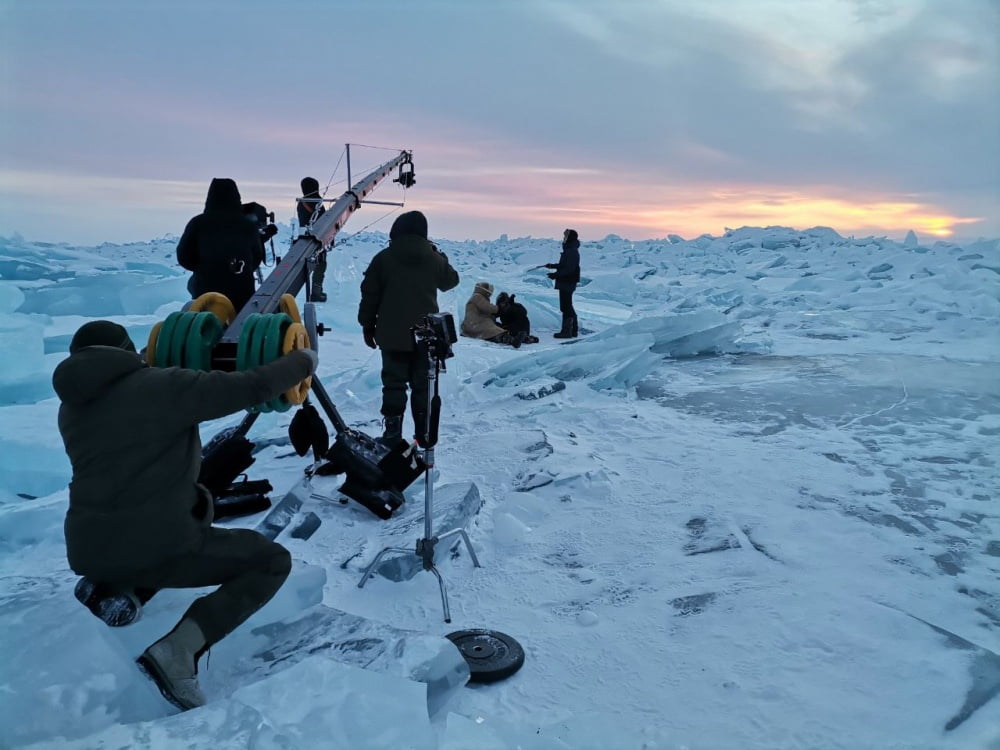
[(138, 521), (513, 317), (480, 318)]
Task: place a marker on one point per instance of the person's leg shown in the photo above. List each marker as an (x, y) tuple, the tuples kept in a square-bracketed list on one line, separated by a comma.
[(566, 302), (247, 566), (395, 375), (508, 339), (319, 275), (572, 312), (566, 308), (419, 391)]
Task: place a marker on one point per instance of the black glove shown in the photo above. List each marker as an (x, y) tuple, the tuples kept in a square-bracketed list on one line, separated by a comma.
[(369, 334), (551, 275), (269, 231)]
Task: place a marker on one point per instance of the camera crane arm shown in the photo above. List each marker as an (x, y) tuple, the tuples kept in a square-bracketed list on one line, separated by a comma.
[(292, 273)]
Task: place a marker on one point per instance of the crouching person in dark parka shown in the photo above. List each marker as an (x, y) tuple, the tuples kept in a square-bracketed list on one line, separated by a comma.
[(513, 317), (137, 520)]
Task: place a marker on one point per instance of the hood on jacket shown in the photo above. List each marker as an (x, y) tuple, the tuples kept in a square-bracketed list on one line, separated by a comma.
[(412, 222), (101, 333), (89, 372), (223, 195), (411, 250), (485, 287)]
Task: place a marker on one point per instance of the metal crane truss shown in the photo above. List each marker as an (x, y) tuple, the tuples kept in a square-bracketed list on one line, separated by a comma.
[(293, 272)]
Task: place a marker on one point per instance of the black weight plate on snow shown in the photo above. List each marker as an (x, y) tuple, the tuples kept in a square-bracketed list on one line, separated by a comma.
[(490, 654)]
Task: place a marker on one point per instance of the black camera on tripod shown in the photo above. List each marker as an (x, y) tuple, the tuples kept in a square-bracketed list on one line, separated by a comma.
[(435, 334)]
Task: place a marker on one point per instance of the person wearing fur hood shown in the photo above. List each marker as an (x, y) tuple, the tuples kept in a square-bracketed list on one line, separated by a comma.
[(480, 317)]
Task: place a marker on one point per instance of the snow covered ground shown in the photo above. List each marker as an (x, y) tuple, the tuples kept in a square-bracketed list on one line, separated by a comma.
[(761, 512)]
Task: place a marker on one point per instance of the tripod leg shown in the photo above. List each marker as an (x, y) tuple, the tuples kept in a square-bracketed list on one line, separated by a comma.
[(444, 594), (374, 563), (468, 543)]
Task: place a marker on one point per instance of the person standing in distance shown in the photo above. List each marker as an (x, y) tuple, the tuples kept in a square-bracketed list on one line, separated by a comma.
[(399, 288), (309, 208), (566, 274)]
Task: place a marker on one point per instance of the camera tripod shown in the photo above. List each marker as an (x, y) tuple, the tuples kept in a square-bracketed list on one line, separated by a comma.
[(425, 546)]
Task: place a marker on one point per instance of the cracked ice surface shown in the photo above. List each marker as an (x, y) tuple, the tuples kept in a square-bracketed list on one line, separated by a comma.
[(754, 506)]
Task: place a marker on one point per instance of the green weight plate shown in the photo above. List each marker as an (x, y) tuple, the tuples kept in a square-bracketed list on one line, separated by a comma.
[(205, 332), (274, 336), (164, 338), (245, 346), (179, 339), (274, 339)]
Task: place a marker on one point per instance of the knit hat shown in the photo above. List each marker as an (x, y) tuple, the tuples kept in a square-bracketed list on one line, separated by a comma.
[(309, 185), (485, 286), (101, 333), (412, 222)]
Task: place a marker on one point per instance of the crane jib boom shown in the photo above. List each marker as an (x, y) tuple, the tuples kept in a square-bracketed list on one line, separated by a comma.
[(291, 274)]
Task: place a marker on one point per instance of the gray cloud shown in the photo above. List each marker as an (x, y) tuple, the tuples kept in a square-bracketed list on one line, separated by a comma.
[(890, 96)]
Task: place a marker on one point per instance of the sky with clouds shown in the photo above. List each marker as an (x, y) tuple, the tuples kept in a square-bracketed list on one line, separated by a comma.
[(635, 117)]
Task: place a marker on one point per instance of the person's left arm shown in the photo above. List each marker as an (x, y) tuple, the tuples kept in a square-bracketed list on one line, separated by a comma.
[(447, 276), (371, 294), (199, 396)]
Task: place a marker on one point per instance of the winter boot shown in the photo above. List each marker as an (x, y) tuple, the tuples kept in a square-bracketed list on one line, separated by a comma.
[(521, 337), (511, 339), (318, 295), (115, 608), (567, 328), (393, 430), (172, 663), (575, 330)]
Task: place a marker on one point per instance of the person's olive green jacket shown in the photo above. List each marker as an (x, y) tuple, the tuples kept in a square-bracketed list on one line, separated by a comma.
[(131, 434), (400, 287)]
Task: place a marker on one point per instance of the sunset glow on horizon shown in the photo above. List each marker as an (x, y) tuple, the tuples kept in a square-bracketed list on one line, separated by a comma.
[(640, 119), (468, 207)]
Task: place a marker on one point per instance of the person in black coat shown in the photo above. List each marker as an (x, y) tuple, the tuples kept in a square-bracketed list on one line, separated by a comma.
[(513, 317), (309, 208), (221, 247), (566, 274)]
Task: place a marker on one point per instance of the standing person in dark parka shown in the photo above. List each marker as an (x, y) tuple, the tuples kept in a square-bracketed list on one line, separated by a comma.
[(567, 275), (399, 288), (221, 247), (138, 521), (309, 208)]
